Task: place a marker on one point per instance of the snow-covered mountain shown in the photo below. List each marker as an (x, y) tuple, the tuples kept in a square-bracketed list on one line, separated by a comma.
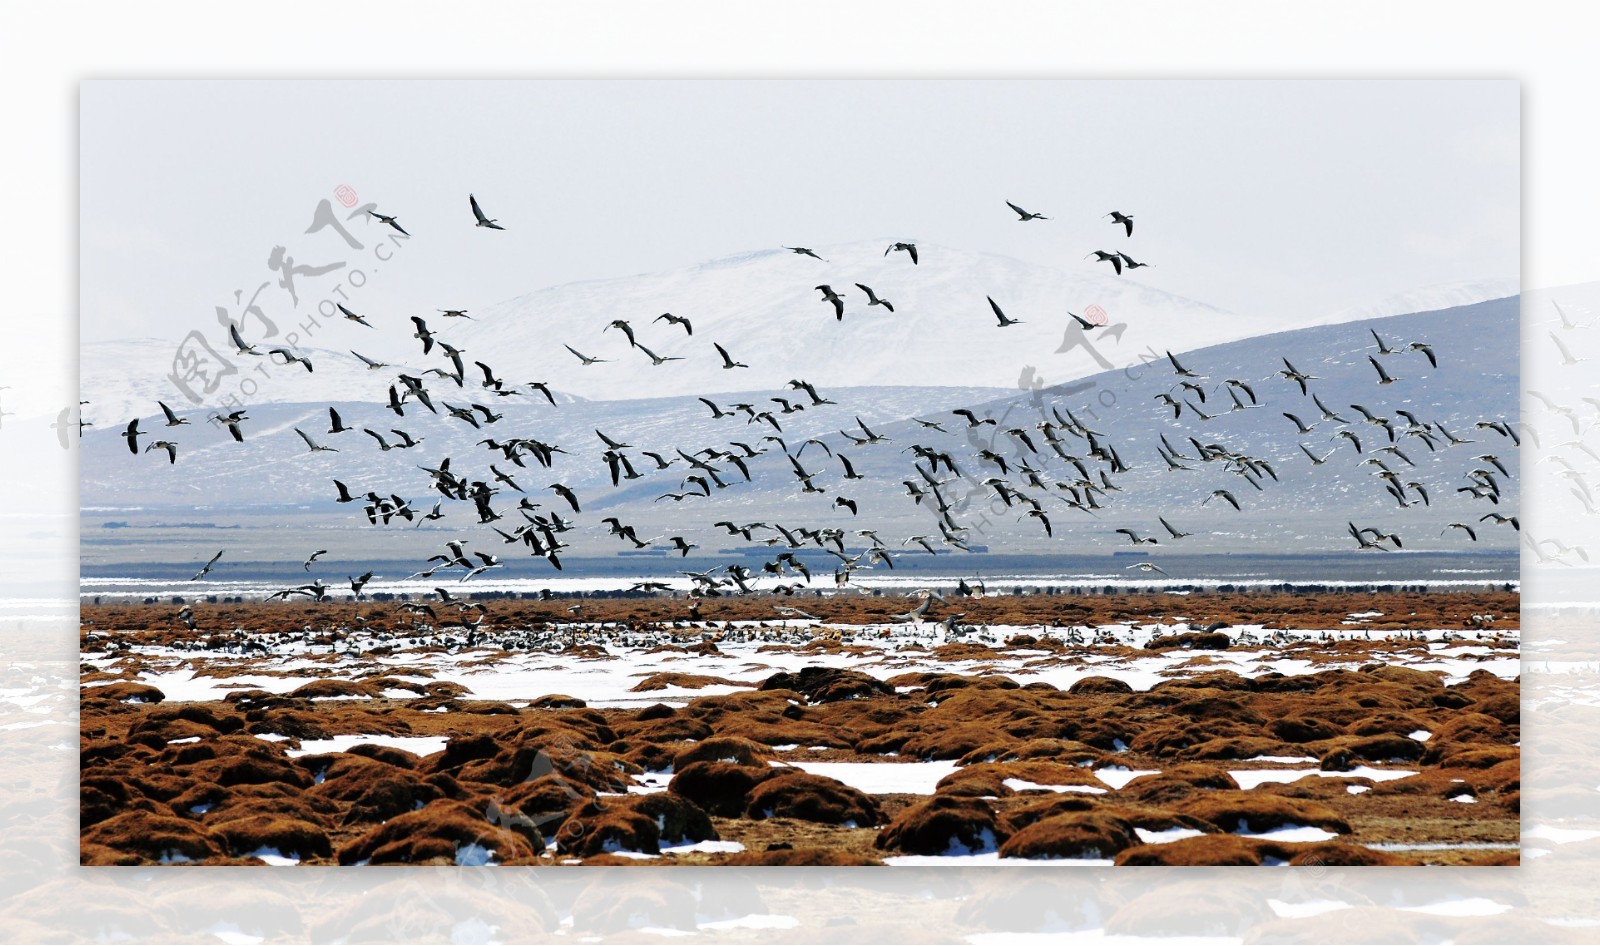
[(1426, 299), (280, 493), (765, 309), (762, 306)]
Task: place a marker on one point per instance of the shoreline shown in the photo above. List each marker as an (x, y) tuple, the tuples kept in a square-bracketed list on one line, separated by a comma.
[(1269, 609)]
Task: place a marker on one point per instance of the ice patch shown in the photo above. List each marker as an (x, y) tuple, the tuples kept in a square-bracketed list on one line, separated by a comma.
[(1167, 836), (884, 778), (1117, 776), (1466, 906), (421, 745), (1250, 778), (1019, 785), (753, 921), (1289, 833), (1560, 835), (990, 859), (1295, 911), (474, 855), (273, 857)]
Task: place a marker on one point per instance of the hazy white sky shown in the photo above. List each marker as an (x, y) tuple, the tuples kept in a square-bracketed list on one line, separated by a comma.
[(1293, 197)]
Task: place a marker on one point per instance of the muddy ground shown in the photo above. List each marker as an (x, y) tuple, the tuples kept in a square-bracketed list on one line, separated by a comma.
[(549, 780)]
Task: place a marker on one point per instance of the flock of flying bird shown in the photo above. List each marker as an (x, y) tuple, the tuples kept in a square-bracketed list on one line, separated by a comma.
[(1058, 466)]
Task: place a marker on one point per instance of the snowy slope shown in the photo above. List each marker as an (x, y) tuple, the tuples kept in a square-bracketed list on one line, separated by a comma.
[(280, 492), (762, 306)]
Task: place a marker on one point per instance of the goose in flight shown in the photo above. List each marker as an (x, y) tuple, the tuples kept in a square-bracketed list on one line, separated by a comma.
[(1500, 519), (543, 388), (804, 251), (973, 420), (1083, 323), (312, 444), (167, 445), (1024, 216), (173, 420), (132, 436), (1224, 494), (870, 436), (828, 295), (872, 297), (1303, 427), (1180, 369), (422, 333), (1115, 259), (371, 363), (207, 569), (1383, 347), (477, 212), (910, 248), (817, 400), (584, 358), (1566, 323), (290, 358), (1326, 413), (1294, 374), (1360, 535), (1173, 532), (625, 327), (231, 421), (1129, 262), (244, 348), (1566, 356), (456, 314), (671, 319), (314, 556), (1426, 349), (1315, 460), (1125, 219), (727, 362), (1137, 539), (389, 220), (1383, 376), (658, 360), (717, 413), (1471, 533), (562, 490), (1001, 315), (351, 316), (1147, 567)]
